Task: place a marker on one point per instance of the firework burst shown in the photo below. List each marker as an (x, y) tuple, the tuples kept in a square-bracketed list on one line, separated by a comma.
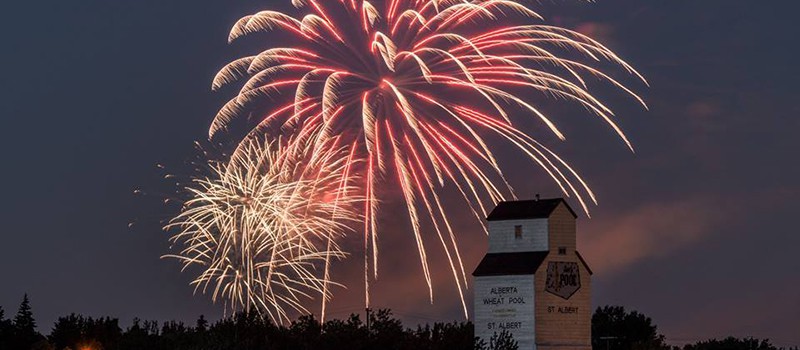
[(414, 89), (263, 229)]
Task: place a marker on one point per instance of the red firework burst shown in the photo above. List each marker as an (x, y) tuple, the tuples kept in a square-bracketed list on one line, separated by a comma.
[(413, 88)]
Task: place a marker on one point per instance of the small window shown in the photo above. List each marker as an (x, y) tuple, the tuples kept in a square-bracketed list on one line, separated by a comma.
[(562, 251), (518, 231)]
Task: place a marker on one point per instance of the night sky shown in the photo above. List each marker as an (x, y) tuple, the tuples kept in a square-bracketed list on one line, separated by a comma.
[(697, 229)]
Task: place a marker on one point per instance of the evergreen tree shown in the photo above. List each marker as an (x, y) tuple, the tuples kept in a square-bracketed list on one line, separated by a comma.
[(202, 324), (24, 321), (5, 331), (25, 334)]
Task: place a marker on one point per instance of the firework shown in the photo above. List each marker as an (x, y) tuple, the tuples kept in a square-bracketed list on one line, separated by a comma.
[(263, 228), (415, 89)]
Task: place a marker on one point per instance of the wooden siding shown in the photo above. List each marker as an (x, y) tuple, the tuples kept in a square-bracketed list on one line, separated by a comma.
[(502, 240), (505, 302), (563, 323)]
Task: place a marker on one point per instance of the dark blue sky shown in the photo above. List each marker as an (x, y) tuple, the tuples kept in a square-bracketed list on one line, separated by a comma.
[(698, 229)]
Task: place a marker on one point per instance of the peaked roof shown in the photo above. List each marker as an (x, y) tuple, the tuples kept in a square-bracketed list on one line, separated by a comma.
[(527, 209), (502, 264), (580, 257)]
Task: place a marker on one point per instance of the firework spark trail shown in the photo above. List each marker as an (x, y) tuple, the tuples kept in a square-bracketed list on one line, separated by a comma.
[(262, 225), (415, 89)]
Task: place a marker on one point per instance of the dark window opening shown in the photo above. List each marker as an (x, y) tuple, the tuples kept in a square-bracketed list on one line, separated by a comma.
[(562, 251), (518, 231)]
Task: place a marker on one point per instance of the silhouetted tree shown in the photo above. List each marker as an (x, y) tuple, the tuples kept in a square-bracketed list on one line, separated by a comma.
[(6, 331), (140, 335), (732, 343), (385, 332), (340, 334), (251, 331), (442, 336), (175, 335), (24, 321), (499, 341), (614, 328), (201, 325), (24, 329), (104, 330), (76, 332), (245, 331), (306, 332), (199, 334), (67, 332)]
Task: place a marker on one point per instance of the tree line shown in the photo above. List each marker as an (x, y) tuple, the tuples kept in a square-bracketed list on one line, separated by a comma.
[(615, 328), (612, 328)]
